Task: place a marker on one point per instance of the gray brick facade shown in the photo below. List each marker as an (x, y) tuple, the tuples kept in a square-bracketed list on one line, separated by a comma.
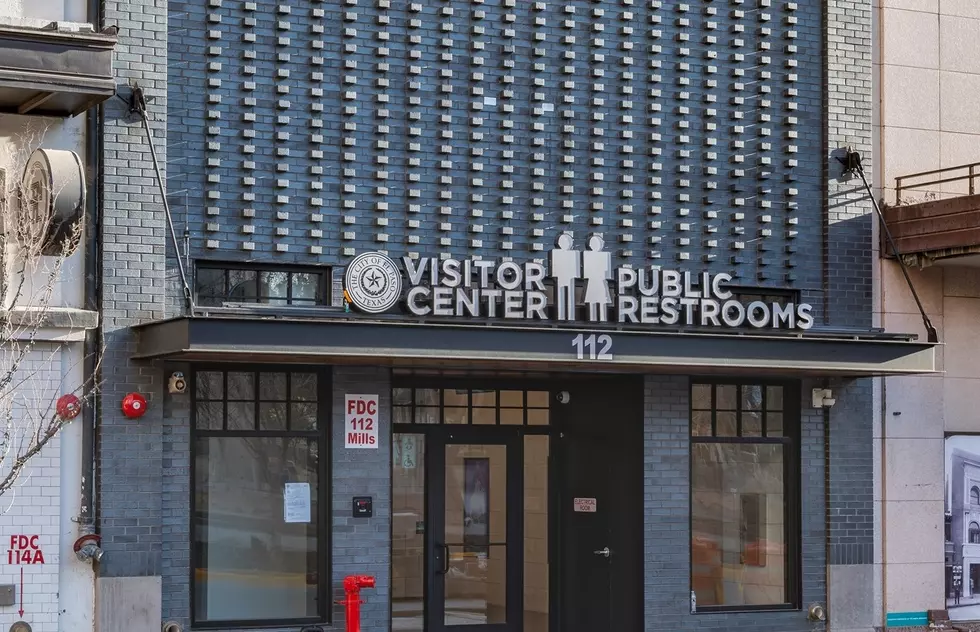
[(700, 136)]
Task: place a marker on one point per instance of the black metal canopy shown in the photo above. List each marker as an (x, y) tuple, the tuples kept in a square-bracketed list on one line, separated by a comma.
[(52, 71), (358, 340)]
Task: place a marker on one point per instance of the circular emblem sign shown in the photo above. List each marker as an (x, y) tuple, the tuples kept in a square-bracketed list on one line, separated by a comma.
[(372, 283)]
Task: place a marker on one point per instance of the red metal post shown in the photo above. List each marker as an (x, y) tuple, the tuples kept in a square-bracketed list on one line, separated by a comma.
[(352, 602)]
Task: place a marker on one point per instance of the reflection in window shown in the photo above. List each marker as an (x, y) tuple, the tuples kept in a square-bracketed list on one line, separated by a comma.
[(458, 406), (257, 529), (536, 570), (740, 553), (216, 286)]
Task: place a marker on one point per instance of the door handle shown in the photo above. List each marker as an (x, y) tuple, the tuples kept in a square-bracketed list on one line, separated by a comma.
[(605, 552), (445, 559)]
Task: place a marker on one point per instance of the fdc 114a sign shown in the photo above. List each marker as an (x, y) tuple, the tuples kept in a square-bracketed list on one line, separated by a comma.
[(573, 279), (361, 421)]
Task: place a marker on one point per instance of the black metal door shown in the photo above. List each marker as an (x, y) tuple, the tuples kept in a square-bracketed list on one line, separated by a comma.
[(474, 542), (601, 507)]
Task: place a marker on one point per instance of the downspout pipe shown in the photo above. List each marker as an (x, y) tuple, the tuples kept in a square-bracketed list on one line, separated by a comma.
[(92, 345)]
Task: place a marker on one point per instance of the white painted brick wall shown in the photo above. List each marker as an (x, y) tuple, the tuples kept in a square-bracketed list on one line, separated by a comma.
[(33, 506)]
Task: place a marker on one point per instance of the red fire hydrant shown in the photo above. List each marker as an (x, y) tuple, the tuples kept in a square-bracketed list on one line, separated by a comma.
[(352, 588)]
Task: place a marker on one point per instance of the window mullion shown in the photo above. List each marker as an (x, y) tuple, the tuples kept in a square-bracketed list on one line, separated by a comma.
[(224, 400), (256, 424), (714, 410)]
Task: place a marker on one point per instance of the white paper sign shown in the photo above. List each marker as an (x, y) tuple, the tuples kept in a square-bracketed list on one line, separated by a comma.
[(584, 505), (361, 421), (296, 502)]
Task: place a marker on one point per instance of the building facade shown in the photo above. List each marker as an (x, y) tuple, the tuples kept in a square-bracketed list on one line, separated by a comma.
[(928, 150), (545, 315), (54, 70)]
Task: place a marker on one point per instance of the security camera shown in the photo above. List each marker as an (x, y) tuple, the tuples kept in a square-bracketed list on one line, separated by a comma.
[(177, 383), (564, 397)]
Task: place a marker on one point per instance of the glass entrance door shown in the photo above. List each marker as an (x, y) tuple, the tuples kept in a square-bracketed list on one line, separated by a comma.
[(457, 532), (471, 500), (474, 558)]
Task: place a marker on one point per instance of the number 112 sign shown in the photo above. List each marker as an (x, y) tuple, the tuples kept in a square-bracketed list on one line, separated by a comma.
[(361, 421)]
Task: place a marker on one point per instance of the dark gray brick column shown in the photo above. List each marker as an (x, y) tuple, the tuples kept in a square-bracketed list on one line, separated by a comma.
[(176, 555), (849, 214), (667, 528), (854, 591), (362, 545), (130, 481), (851, 479)]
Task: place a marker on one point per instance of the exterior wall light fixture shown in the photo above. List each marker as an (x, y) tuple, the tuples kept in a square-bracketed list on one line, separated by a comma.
[(823, 398)]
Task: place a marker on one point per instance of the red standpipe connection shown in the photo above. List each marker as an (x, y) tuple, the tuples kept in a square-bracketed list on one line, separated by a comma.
[(352, 588)]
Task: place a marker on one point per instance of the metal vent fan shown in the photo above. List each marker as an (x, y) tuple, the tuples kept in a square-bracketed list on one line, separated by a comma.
[(52, 198)]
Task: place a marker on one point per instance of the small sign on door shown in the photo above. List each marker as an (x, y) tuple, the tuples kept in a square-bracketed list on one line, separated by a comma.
[(584, 505)]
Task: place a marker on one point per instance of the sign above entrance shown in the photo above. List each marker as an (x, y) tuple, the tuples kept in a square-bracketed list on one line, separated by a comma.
[(573, 279)]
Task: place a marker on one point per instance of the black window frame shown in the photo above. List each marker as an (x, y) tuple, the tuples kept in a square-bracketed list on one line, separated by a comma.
[(792, 490), (781, 296), (323, 437), (324, 286), (470, 387)]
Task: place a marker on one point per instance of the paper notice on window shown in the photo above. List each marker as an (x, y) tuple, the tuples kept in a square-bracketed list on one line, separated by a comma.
[(296, 502)]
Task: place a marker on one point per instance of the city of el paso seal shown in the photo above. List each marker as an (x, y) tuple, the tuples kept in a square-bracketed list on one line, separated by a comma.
[(372, 283)]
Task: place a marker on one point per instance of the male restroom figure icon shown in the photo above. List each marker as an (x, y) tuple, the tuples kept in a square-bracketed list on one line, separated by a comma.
[(566, 267), (597, 271)]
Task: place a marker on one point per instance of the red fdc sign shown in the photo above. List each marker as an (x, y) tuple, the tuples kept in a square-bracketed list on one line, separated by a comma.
[(361, 421), (24, 549)]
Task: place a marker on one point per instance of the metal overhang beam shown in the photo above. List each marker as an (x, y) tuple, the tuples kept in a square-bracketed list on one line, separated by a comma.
[(541, 349)]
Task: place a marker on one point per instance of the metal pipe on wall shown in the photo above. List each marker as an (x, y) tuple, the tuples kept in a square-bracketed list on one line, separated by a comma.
[(92, 345)]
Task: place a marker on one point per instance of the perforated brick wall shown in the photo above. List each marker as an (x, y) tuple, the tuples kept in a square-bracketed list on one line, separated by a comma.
[(688, 134)]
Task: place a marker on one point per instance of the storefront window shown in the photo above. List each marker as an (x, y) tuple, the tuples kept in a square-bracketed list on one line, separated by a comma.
[(259, 524), (742, 544)]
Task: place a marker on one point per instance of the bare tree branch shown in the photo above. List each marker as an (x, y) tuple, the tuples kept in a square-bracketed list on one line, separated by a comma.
[(35, 256)]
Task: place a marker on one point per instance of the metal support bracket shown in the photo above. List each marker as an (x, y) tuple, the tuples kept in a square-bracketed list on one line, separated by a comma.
[(852, 164)]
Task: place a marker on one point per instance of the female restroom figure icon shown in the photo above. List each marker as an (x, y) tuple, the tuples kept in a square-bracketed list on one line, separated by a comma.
[(597, 271)]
